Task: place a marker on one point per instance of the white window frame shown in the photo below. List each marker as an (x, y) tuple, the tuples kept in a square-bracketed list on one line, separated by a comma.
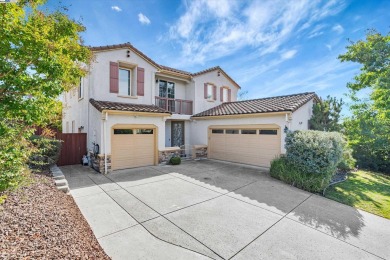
[(225, 94), (210, 89), (73, 126), (130, 85)]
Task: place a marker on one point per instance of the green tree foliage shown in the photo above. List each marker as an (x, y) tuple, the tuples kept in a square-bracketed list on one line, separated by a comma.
[(41, 55), (368, 129), (326, 115)]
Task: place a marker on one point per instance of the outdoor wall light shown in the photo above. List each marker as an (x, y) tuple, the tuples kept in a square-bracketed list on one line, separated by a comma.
[(285, 129)]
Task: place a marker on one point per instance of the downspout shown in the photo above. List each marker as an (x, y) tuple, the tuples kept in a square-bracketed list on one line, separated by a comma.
[(105, 143)]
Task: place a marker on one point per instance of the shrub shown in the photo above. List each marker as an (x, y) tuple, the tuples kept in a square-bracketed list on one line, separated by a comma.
[(347, 161), (311, 160), (46, 152), (14, 152), (285, 171), (175, 160), (315, 152)]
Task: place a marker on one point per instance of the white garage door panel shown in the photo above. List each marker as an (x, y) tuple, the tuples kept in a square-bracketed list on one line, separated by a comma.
[(132, 150), (256, 149)]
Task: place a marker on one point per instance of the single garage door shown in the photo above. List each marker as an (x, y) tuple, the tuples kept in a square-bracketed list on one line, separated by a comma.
[(244, 144), (132, 147)]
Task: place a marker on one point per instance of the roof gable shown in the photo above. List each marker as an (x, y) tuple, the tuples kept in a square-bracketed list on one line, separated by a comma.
[(214, 69), (161, 68), (126, 45)]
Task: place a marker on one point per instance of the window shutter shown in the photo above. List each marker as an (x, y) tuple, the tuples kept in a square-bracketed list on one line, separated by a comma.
[(221, 94), (114, 75), (215, 92), (140, 81), (205, 90), (229, 95)]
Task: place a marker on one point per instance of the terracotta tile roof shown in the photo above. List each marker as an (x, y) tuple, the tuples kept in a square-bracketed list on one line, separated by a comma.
[(261, 105), (108, 105), (161, 67)]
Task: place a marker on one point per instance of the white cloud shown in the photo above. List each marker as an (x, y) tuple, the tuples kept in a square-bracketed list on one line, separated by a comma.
[(210, 29), (328, 46), (143, 19), (315, 76), (317, 31), (288, 54), (116, 8), (338, 28)]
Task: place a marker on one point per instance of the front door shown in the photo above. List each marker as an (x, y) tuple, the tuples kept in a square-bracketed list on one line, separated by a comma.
[(177, 133)]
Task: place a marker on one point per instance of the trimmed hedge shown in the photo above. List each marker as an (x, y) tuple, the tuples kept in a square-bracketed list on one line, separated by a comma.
[(46, 153), (285, 171), (315, 152), (311, 159)]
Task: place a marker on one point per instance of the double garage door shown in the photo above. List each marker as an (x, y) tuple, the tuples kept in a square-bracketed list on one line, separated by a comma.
[(245, 144), (132, 147)]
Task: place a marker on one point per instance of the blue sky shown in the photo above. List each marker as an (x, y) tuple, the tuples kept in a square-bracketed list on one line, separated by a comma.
[(270, 48)]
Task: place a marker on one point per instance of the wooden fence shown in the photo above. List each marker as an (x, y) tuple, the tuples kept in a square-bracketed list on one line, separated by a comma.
[(74, 146)]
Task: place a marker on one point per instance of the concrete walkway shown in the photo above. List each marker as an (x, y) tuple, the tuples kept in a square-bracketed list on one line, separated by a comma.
[(209, 209)]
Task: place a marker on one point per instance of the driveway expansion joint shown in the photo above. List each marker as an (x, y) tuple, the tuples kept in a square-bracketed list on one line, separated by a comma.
[(262, 233), (140, 223)]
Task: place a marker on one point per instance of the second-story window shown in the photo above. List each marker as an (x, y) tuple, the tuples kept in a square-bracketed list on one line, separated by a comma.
[(166, 89), (124, 82)]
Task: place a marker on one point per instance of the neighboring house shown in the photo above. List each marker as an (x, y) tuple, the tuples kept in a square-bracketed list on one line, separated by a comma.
[(138, 112)]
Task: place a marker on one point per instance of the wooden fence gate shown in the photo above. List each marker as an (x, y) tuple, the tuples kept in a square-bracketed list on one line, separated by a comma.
[(74, 146)]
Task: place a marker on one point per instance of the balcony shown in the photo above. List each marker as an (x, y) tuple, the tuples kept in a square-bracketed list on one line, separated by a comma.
[(176, 106)]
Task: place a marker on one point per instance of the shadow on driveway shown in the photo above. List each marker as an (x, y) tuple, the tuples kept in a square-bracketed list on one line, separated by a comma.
[(185, 205)]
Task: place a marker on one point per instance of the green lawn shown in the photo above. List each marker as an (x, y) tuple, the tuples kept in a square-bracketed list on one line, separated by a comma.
[(364, 190)]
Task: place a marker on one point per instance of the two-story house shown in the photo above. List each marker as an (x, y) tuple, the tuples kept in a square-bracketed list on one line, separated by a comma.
[(136, 111)]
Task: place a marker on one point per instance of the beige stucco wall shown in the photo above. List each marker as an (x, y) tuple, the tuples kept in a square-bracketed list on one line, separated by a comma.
[(300, 118), (75, 108), (220, 81), (100, 77)]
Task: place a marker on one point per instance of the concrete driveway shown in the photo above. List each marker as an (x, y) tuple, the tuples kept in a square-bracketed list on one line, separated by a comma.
[(210, 209)]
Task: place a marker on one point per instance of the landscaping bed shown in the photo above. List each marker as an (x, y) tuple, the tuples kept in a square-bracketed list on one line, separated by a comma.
[(364, 190), (38, 221)]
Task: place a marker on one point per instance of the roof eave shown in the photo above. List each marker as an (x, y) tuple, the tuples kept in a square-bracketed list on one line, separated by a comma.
[(244, 115), (136, 113)]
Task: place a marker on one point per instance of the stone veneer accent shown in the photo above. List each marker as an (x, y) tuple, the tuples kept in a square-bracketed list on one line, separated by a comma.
[(199, 152), (165, 156), (97, 162)]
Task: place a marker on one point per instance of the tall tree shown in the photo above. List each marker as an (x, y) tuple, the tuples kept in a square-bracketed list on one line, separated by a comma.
[(41, 55), (326, 115), (368, 129)]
